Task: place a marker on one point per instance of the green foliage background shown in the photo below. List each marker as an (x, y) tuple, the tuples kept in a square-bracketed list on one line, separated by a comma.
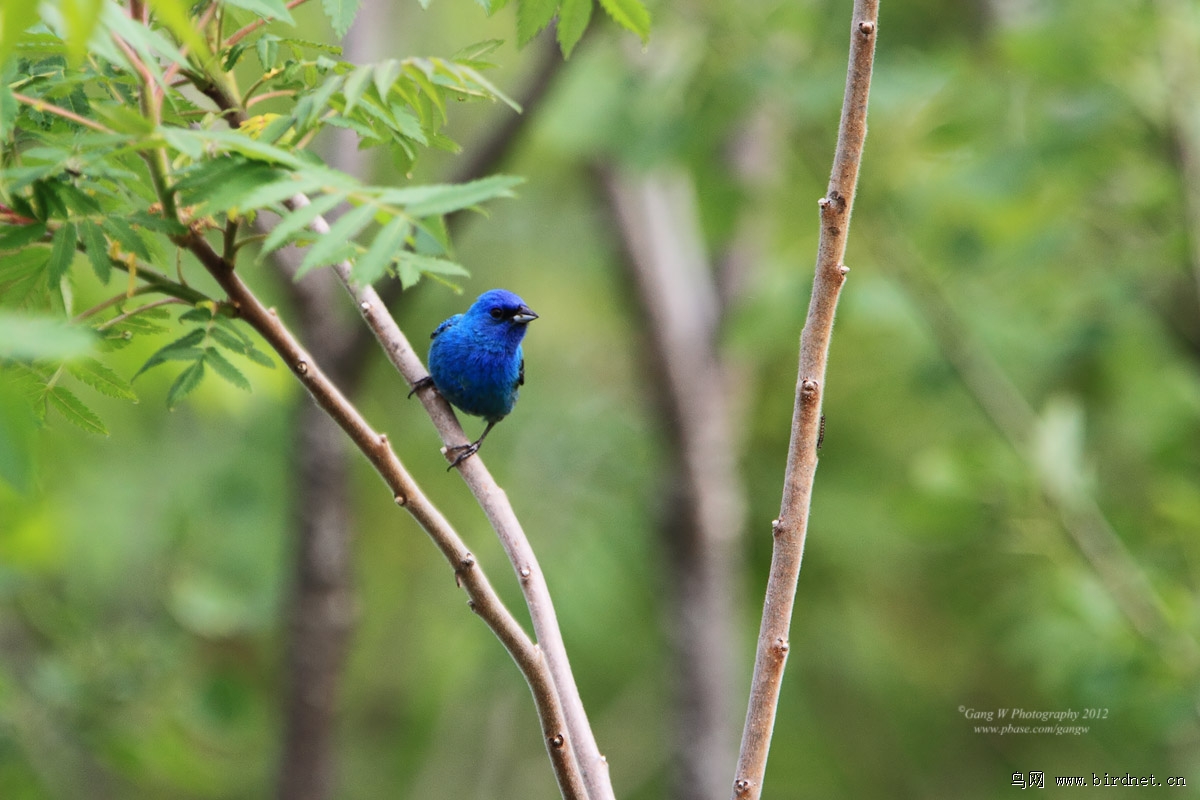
[(1022, 158)]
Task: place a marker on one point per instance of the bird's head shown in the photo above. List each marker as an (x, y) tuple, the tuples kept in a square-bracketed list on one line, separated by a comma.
[(503, 309)]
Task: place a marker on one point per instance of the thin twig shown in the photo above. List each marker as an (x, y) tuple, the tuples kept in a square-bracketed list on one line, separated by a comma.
[(38, 104), (376, 447), (792, 525)]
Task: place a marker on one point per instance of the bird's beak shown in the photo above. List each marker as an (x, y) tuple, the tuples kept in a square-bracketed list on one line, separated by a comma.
[(524, 314)]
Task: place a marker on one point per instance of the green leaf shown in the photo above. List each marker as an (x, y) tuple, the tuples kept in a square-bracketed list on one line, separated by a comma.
[(443, 198), (532, 16), (188, 380), (371, 265), (62, 252), (174, 14), (410, 266), (275, 9), (267, 48), (573, 20), (182, 349), (97, 249), (629, 14), (17, 236), (354, 87), (225, 369), (299, 220), (125, 236), (74, 411), (326, 248), (81, 17), (101, 378), (26, 336), (15, 19), (385, 75), (341, 14)]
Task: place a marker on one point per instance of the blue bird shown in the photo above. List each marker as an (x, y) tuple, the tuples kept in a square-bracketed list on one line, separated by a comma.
[(476, 362)]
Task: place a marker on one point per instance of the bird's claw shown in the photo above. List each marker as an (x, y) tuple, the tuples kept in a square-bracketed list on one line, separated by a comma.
[(424, 383), (468, 450)]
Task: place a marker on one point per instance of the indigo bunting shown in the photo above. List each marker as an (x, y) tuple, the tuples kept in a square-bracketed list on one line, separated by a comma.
[(476, 362)]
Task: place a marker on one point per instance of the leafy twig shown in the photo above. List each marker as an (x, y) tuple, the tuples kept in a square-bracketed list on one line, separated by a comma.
[(792, 525)]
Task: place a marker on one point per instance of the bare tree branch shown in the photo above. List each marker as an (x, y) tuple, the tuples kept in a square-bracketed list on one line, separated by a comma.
[(534, 665), (657, 220), (792, 525)]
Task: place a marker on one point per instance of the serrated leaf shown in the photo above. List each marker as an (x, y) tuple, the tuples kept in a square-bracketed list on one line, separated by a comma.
[(62, 251), (384, 76), (371, 265), (573, 19), (443, 198), (299, 220), (325, 249), (156, 223), (225, 369), (74, 411), (17, 236), (275, 9), (259, 357), (341, 14), (355, 85), (182, 349), (101, 378), (188, 380), (267, 48), (629, 14), (125, 236), (410, 266), (532, 16), (26, 336), (97, 249)]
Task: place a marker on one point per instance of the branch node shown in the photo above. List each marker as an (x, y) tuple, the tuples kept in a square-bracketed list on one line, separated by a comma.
[(742, 786), (302, 367), (823, 203), (272, 311), (383, 440), (400, 500), (471, 605), (524, 572), (808, 389), (866, 28), (780, 646), (365, 306), (557, 741), (776, 527), (843, 270)]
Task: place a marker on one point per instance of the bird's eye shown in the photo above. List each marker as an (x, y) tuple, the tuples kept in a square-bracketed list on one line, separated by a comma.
[(497, 313)]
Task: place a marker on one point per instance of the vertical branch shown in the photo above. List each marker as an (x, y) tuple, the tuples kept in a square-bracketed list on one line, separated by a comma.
[(657, 220), (792, 525)]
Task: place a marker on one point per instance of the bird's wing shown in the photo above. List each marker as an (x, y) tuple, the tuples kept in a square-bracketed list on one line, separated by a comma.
[(448, 323), (521, 373)]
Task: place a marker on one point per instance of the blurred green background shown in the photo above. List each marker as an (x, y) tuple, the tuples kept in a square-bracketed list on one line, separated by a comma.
[(1024, 247)]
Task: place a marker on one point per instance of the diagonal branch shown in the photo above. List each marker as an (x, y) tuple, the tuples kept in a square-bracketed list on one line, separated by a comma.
[(792, 525), (376, 447), (494, 502)]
